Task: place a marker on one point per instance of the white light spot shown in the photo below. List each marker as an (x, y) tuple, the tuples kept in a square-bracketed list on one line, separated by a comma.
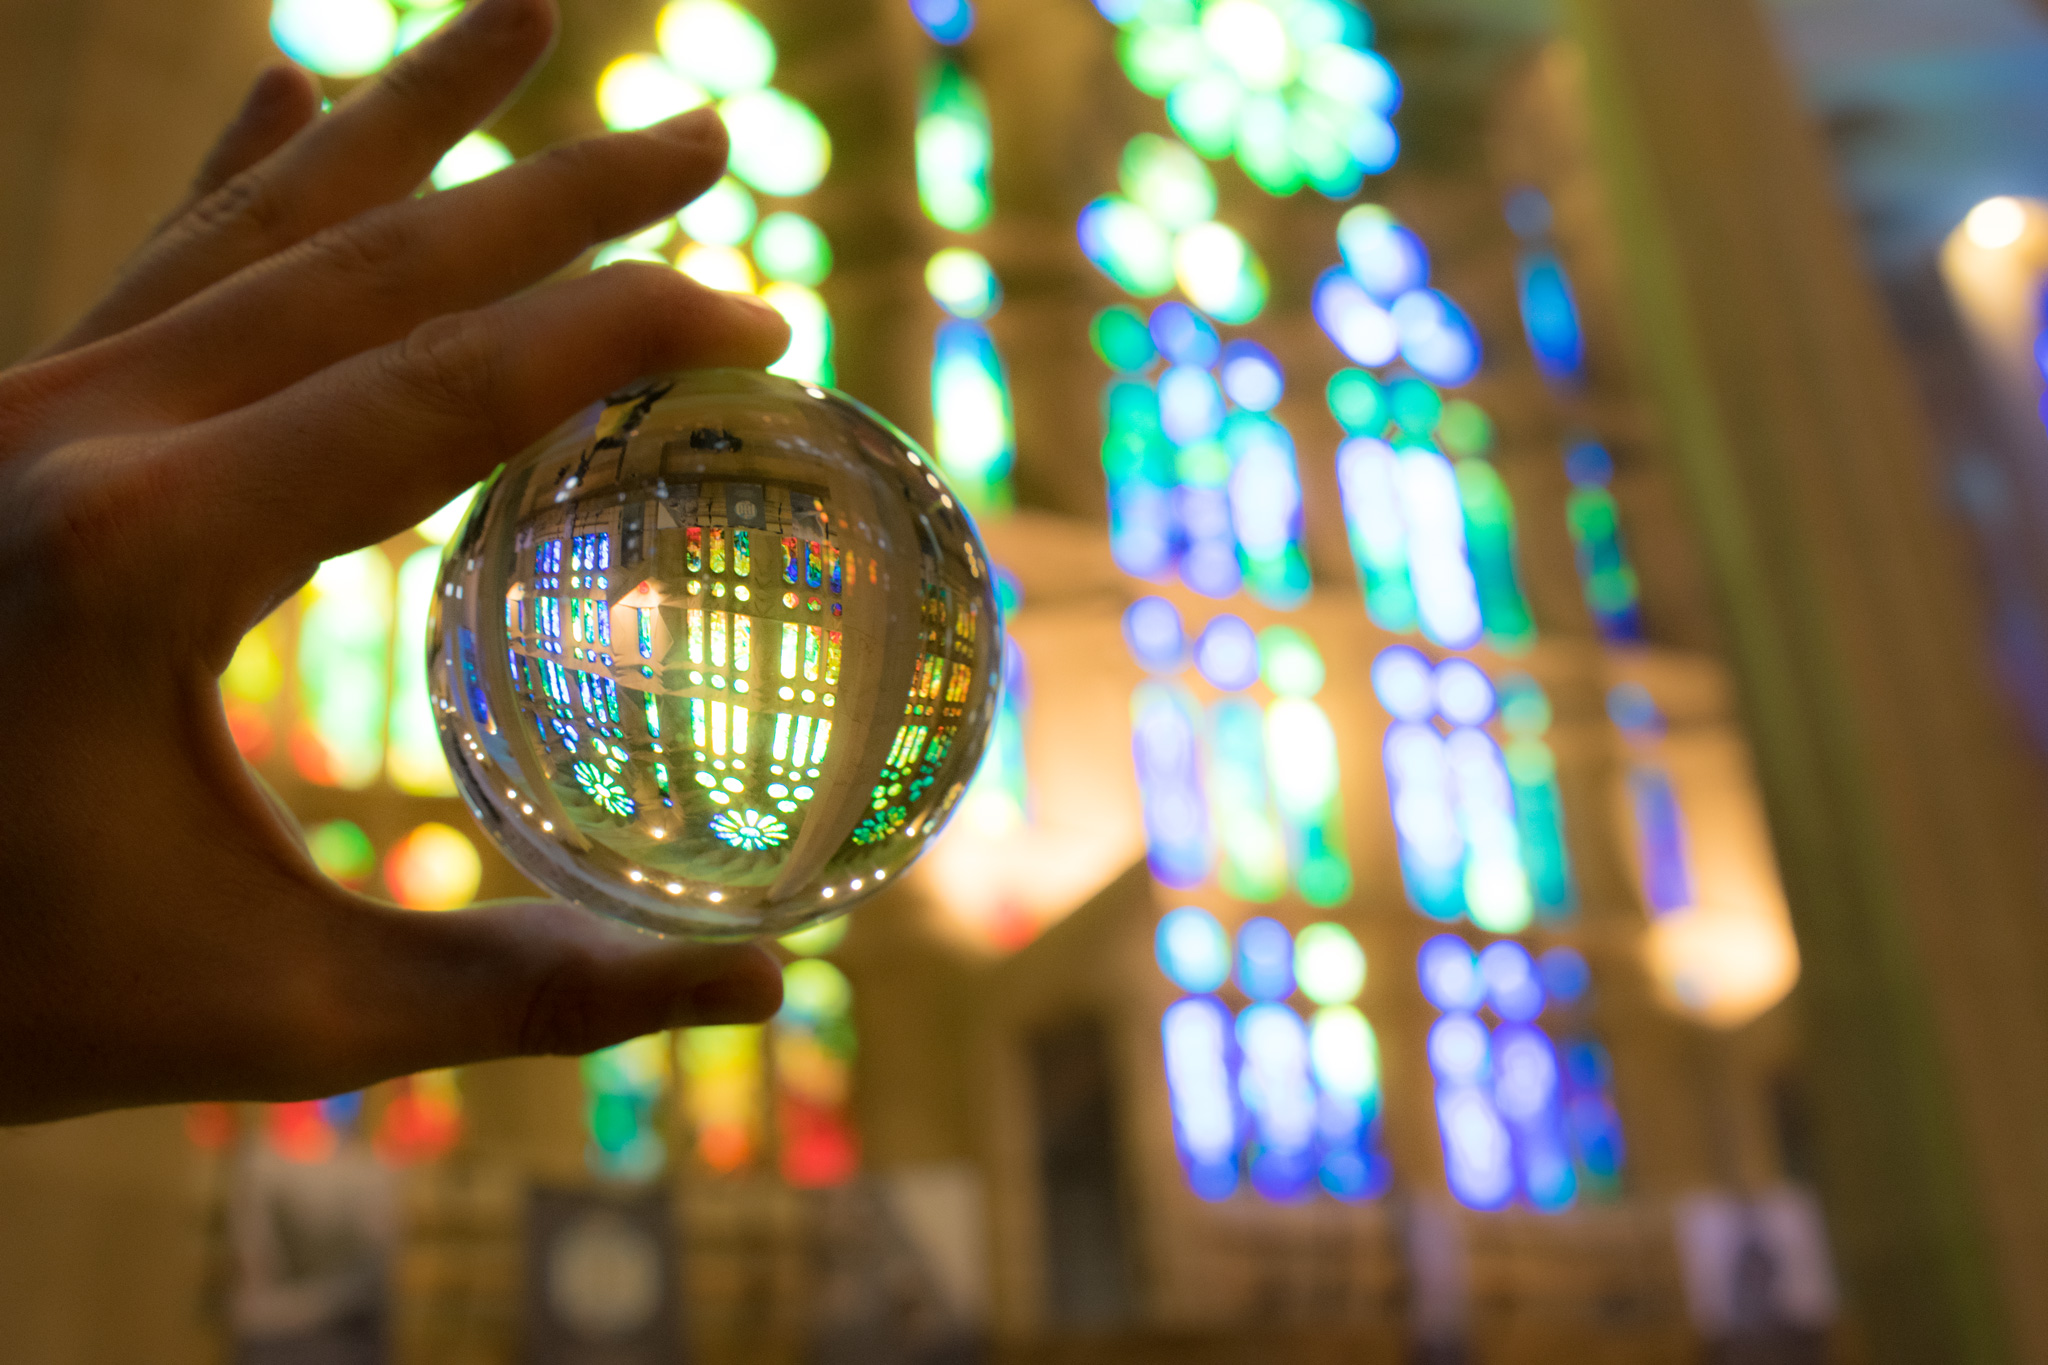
[(1996, 224)]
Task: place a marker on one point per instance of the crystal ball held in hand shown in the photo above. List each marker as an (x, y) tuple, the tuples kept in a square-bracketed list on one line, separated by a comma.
[(718, 658)]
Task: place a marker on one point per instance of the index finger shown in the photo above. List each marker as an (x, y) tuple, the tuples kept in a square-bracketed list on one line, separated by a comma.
[(366, 448)]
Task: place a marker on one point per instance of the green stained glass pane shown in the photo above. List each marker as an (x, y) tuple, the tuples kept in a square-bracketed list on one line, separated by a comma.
[(1358, 401), (1122, 339), (778, 145), (1129, 245), (414, 761), (1320, 136), (344, 670), (1254, 853), (1414, 406), (962, 282), (790, 248), (1168, 181), (973, 434), (716, 44), (1465, 429), (1159, 56), (342, 851), (1490, 544), (1204, 110), (953, 149), (1262, 145), (1539, 819), (722, 216), (1219, 273)]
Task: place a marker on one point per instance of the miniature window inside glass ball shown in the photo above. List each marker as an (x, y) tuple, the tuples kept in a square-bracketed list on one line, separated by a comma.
[(717, 659)]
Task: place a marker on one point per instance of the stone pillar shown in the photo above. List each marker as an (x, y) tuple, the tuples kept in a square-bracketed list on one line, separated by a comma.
[(1906, 809)]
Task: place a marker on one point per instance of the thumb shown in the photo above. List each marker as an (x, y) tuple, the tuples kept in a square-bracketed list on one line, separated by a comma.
[(533, 977)]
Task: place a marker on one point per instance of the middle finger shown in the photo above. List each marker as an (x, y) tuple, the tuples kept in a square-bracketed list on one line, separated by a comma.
[(372, 280)]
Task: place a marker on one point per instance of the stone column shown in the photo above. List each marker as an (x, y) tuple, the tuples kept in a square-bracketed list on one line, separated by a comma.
[(1907, 811)]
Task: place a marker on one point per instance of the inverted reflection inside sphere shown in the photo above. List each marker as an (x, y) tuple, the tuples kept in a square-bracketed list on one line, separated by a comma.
[(719, 659)]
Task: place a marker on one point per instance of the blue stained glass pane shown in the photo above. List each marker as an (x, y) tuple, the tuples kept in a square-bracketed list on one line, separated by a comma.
[(1634, 712), (1184, 336), (1512, 985), (1360, 327), (1436, 337), (1265, 509), (1464, 696), (1385, 258), (1192, 949), (1265, 959), (1165, 745), (1201, 1088), (1404, 683), (1528, 1094), (1550, 317), (1478, 1152), (1153, 633), (1450, 974), (1660, 835), (1227, 653), (947, 21), (1279, 1099), (1588, 463), (342, 1111), (1566, 977), (472, 685), (1344, 1057), (1429, 836), (1190, 405), (1251, 376), (1249, 840)]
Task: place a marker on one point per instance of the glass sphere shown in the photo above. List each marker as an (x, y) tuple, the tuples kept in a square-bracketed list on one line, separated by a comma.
[(718, 657)]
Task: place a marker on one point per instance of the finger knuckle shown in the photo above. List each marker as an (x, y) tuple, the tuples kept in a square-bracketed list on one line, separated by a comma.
[(248, 204), (449, 365), (78, 516), (371, 251), (416, 77)]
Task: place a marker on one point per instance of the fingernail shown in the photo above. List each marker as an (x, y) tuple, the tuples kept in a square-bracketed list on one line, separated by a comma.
[(755, 302), (739, 999)]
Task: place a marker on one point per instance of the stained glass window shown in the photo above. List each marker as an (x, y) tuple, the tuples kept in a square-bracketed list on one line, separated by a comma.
[(1662, 856), (1453, 802), (625, 1091), (724, 1083), (1595, 522), (814, 1050), (1283, 1103), (343, 671), (1517, 1121)]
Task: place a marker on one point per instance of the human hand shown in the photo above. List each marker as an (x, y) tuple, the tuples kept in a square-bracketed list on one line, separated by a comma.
[(303, 360)]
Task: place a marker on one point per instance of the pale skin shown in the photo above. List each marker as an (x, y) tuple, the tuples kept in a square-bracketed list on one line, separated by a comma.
[(304, 359)]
